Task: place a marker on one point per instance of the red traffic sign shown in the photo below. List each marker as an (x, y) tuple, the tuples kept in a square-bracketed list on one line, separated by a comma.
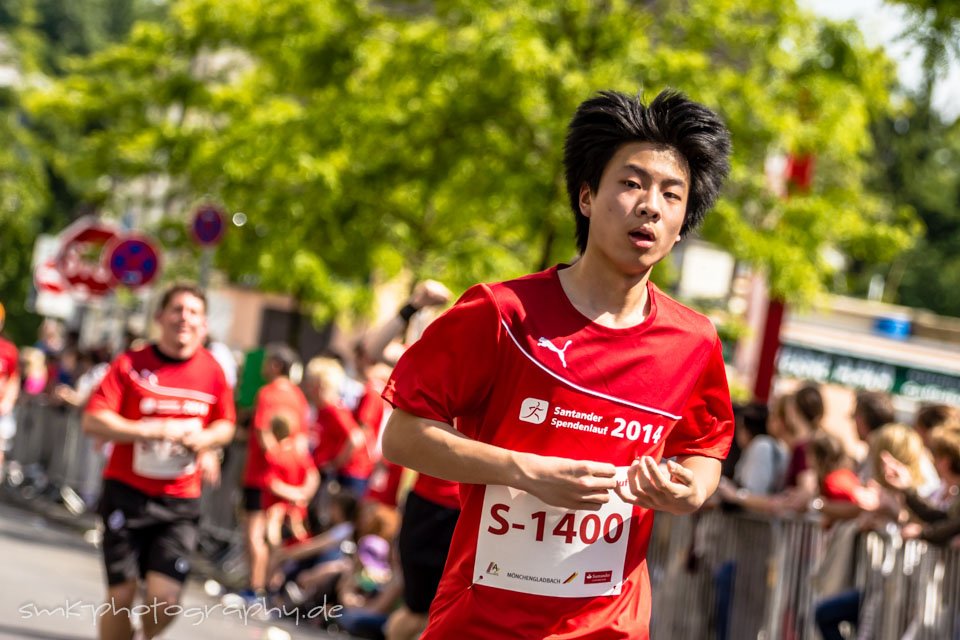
[(209, 223), (80, 259), (47, 278), (133, 260)]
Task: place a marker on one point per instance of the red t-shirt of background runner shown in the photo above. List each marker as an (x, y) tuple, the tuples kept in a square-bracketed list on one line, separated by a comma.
[(334, 425), (384, 484), (143, 384), (9, 360), (278, 396), (288, 462), (519, 367)]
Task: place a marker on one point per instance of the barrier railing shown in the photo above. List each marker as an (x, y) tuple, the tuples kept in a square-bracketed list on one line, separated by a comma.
[(50, 456), (742, 576), (714, 574)]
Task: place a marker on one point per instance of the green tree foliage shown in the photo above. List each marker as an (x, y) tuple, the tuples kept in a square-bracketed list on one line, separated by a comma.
[(360, 139), (917, 151), (37, 38)]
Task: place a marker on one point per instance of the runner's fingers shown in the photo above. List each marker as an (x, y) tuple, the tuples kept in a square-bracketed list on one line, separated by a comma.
[(600, 482), (599, 498), (628, 496), (601, 469), (654, 474), (680, 474), (587, 504)]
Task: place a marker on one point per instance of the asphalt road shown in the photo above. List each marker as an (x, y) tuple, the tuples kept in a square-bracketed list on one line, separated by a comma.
[(51, 580)]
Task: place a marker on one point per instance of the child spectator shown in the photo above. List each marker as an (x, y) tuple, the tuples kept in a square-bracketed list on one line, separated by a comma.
[(292, 480)]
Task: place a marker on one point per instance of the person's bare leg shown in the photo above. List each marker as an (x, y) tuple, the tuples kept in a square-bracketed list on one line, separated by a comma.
[(258, 553), (115, 620), (163, 592), (404, 624)]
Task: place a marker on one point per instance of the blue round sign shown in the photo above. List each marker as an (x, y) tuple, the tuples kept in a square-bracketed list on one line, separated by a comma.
[(134, 261), (208, 225)]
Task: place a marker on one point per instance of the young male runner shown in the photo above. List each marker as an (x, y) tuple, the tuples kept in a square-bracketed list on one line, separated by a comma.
[(161, 405), (568, 388)]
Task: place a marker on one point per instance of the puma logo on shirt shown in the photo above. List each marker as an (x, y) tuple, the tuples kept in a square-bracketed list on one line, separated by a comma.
[(561, 353)]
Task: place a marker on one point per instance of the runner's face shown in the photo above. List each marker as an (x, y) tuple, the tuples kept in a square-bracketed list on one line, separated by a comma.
[(638, 209), (183, 323)]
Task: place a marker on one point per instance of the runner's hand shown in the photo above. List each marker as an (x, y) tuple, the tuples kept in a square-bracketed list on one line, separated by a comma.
[(209, 464), (429, 293), (196, 440), (570, 484), (664, 487)]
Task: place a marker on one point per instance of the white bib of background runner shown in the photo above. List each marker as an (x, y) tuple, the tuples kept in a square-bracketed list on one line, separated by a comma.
[(528, 546), (163, 460)]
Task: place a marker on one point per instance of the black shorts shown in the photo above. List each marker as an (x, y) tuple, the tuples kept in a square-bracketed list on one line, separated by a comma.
[(252, 499), (144, 533), (424, 542)]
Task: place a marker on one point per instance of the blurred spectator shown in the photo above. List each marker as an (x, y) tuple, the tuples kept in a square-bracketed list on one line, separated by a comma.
[(343, 448), (761, 470), (369, 591), (90, 370), (34, 371), (801, 415), (763, 463), (906, 446), (279, 397), (291, 479), (872, 410), (9, 392), (939, 522), (931, 416), (50, 337), (226, 359)]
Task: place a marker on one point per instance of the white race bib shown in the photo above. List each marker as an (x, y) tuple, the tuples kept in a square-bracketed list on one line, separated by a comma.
[(528, 546), (162, 460)]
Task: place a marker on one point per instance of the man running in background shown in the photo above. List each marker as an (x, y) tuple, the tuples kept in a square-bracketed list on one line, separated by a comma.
[(162, 406), (553, 398)]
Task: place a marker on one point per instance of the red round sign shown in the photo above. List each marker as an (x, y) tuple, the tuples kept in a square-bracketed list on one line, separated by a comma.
[(47, 279), (133, 260), (80, 259)]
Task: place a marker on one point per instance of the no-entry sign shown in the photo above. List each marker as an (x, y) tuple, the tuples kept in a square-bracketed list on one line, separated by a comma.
[(209, 223), (133, 260)]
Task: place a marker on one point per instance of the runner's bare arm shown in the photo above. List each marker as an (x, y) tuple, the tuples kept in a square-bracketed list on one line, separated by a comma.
[(110, 425), (11, 389), (439, 450), (218, 434), (676, 487)]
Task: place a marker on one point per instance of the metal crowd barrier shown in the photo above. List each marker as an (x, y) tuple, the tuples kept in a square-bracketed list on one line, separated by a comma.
[(50, 455), (714, 575), (51, 458), (717, 575)]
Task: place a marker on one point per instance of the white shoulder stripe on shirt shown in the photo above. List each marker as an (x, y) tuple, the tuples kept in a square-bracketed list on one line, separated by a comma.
[(574, 385), (189, 394)]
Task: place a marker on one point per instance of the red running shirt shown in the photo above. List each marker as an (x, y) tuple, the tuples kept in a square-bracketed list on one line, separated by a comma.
[(279, 396), (9, 360), (289, 462), (519, 367), (144, 385), (841, 485), (334, 425)]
